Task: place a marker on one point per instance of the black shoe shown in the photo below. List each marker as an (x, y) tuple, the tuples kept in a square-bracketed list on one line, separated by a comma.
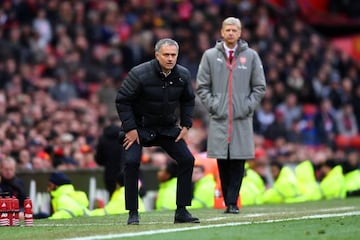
[(232, 209), (133, 218), (183, 216)]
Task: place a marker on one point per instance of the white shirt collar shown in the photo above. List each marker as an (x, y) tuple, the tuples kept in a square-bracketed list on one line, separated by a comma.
[(228, 49)]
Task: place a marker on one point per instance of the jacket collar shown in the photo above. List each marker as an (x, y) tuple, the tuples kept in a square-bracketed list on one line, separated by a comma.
[(241, 46), (156, 65)]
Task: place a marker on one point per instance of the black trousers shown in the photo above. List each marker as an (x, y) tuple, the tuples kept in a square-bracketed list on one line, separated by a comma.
[(178, 151), (231, 174)]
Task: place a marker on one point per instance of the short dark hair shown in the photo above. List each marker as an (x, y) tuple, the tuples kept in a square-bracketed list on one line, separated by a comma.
[(166, 41)]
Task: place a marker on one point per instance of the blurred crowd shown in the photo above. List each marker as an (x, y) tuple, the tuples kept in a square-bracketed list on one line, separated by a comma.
[(61, 63)]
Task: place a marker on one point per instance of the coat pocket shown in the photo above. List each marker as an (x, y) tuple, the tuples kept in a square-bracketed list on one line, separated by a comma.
[(242, 108), (218, 109), (146, 135)]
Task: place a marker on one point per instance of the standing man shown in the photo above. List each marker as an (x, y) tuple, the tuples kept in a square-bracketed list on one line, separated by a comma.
[(231, 84), (147, 104), (110, 154)]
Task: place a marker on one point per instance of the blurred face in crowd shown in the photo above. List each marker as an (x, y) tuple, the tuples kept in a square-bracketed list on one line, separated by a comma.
[(198, 173), (275, 171), (230, 34), (163, 175), (167, 57), (51, 186), (7, 169)]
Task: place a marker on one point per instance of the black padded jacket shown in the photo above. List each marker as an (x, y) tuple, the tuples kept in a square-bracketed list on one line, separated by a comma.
[(148, 99)]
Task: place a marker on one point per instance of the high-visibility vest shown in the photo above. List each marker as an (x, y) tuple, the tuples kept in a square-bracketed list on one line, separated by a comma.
[(252, 187), (333, 185), (68, 203), (308, 186), (352, 181), (285, 188), (204, 190), (166, 197), (116, 204)]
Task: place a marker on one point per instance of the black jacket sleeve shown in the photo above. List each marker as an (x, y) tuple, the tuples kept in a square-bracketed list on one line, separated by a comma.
[(125, 98), (187, 101)]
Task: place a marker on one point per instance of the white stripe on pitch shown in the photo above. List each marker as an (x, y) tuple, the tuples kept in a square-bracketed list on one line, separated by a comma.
[(152, 232)]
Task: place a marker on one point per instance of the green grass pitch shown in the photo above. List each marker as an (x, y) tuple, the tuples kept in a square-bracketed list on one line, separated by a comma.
[(327, 219)]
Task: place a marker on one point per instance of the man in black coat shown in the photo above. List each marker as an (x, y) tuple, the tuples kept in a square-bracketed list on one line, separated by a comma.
[(147, 104)]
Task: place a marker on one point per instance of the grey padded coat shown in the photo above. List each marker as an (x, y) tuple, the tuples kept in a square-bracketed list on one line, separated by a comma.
[(231, 93)]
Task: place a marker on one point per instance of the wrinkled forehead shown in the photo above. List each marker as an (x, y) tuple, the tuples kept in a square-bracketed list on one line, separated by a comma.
[(231, 27), (168, 49)]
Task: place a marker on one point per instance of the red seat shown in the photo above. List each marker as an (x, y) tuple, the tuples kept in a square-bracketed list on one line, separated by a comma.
[(309, 109), (355, 141), (343, 141)]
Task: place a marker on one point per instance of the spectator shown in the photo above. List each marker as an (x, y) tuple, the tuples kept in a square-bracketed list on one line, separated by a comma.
[(66, 202), (351, 168), (253, 186), (210, 165), (156, 157), (356, 103), (42, 28), (264, 117), (325, 123), (346, 121), (332, 181), (63, 90), (89, 157), (336, 91), (116, 204), (261, 165), (204, 188), (166, 196), (290, 109), (10, 184), (285, 188), (277, 129), (106, 95), (24, 161), (309, 187), (110, 153), (320, 84), (61, 161)]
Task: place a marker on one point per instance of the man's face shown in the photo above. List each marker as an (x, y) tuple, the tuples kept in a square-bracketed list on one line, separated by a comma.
[(7, 170), (275, 171), (230, 34), (50, 186), (167, 57)]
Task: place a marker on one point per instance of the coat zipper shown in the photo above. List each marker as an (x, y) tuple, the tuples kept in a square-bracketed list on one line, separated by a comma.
[(230, 66)]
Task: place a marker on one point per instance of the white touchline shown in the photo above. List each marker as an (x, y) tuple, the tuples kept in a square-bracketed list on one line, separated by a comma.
[(152, 232)]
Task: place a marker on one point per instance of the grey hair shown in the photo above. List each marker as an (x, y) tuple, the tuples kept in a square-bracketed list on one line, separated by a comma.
[(7, 160), (232, 21), (166, 41)]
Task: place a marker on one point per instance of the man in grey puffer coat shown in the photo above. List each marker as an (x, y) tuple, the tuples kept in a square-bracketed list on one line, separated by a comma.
[(231, 84)]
